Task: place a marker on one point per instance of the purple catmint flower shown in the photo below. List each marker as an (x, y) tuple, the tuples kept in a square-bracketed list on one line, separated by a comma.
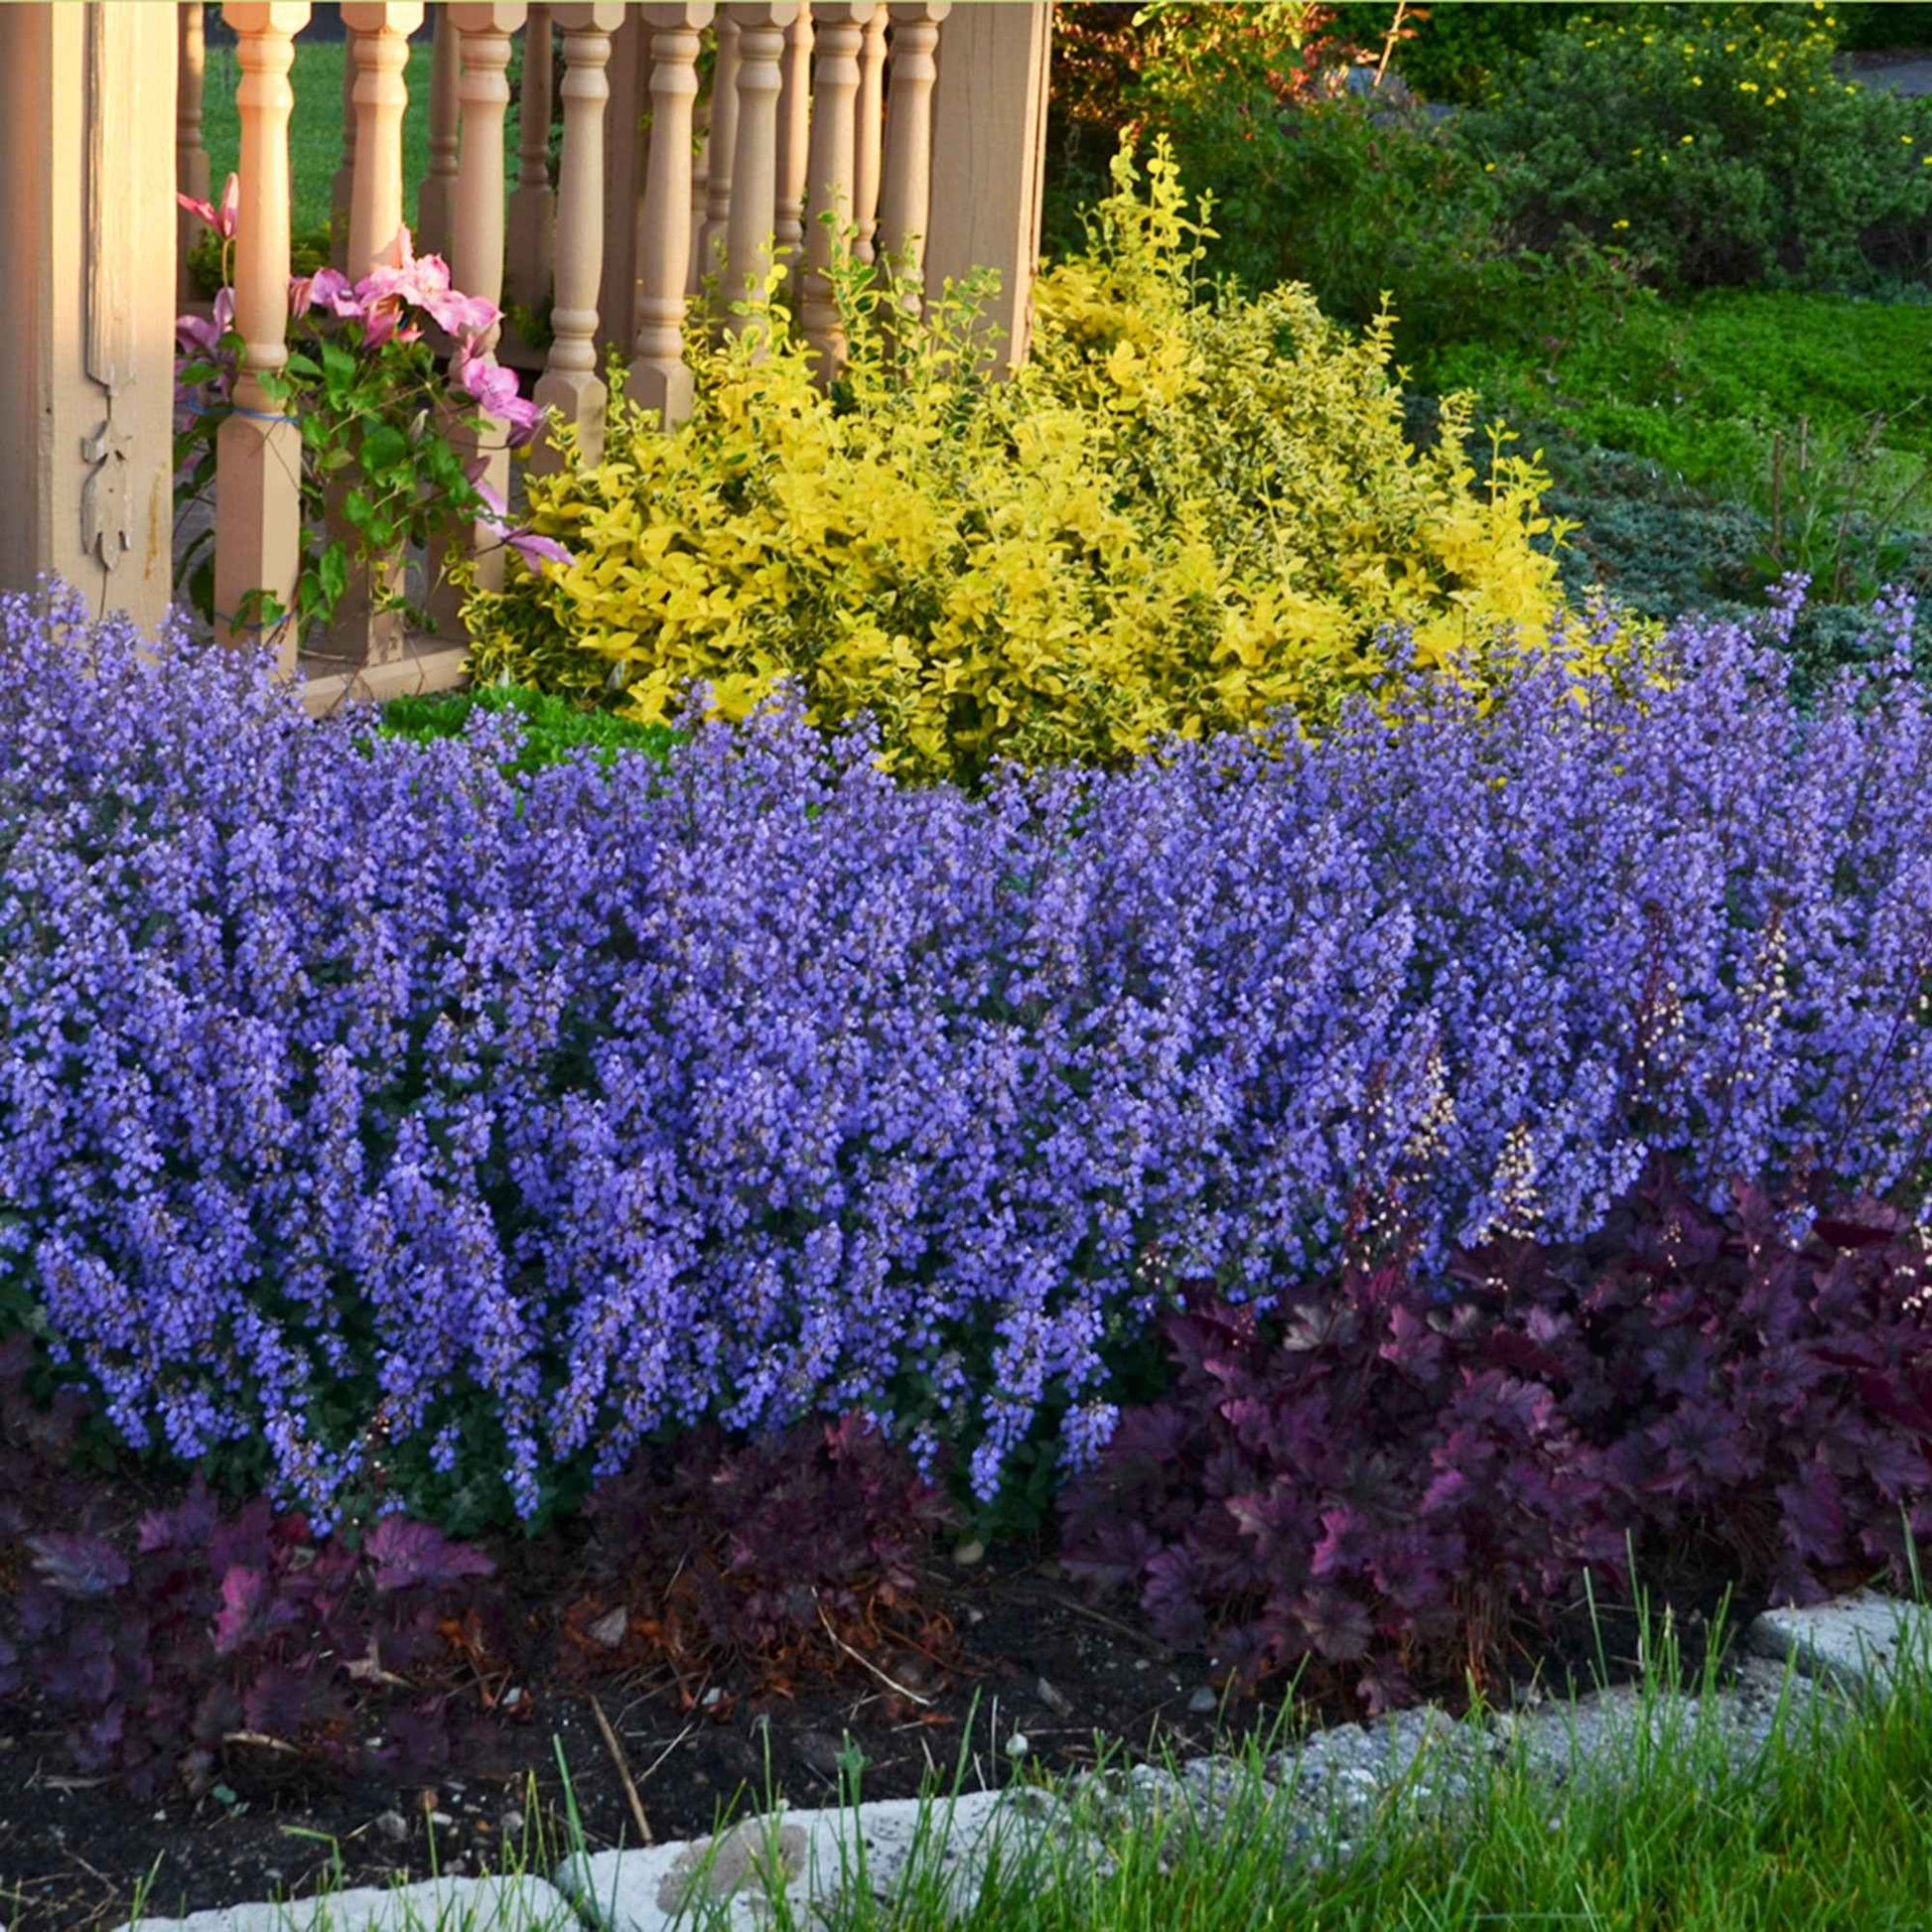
[(550, 1113)]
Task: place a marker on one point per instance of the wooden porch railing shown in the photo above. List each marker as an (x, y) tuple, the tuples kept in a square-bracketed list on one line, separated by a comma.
[(664, 184)]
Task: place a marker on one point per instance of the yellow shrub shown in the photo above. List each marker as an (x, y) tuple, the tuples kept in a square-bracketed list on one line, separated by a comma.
[(1180, 516)]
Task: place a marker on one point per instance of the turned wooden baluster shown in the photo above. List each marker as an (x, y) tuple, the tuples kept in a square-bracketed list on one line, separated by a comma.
[(369, 624), (378, 51), (762, 28), (436, 200), (870, 129), (700, 195), (533, 208), (341, 190), (840, 27), (658, 378), (624, 141), (476, 265), (907, 195), (722, 143), (569, 384), (191, 156), (258, 452), (794, 141)]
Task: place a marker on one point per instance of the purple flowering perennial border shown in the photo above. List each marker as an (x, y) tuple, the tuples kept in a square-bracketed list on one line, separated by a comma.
[(598, 1102)]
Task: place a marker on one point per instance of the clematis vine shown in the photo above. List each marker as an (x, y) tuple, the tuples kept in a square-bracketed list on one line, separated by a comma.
[(486, 380), (385, 418)]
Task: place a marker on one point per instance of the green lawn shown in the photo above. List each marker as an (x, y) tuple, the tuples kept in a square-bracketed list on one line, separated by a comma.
[(1701, 388), (315, 128)]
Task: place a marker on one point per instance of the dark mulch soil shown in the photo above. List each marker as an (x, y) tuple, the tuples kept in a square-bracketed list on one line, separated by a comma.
[(1011, 1651)]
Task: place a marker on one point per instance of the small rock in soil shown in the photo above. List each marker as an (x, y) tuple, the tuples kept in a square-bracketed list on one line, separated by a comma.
[(819, 1750), (609, 1631), (1055, 1699), (393, 1826), (1204, 1702)]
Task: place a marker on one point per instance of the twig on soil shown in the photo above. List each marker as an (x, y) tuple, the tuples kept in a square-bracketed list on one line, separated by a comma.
[(860, 1657), (261, 1740), (652, 1768), (615, 1748)]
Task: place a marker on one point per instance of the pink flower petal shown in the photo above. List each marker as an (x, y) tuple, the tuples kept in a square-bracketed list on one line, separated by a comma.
[(535, 550)]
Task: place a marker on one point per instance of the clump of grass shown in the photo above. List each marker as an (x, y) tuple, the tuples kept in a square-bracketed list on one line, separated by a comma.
[(546, 1839)]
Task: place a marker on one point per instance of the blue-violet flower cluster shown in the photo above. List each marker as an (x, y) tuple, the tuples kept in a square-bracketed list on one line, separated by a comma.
[(345, 1077)]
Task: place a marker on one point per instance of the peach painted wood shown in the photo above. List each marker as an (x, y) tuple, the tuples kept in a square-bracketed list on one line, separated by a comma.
[(839, 27), (534, 208), (989, 135), (569, 384), (868, 132), (907, 190), (624, 181), (660, 379), (379, 48), (699, 194), (476, 265), (762, 28), (258, 452), (369, 625), (436, 202), (724, 140), (794, 141), (191, 156)]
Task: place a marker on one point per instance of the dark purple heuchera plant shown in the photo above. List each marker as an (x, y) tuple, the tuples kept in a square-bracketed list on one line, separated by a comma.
[(1382, 1480), (547, 1114), (213, 1635)]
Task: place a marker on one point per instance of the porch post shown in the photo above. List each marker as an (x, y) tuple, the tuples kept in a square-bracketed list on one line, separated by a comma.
[(87, 134), (989, 140)]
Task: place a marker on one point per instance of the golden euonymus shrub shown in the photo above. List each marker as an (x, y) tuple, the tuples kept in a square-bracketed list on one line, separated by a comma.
[(1180, 516)]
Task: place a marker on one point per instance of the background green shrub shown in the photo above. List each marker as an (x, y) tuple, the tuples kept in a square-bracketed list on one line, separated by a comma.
[(1451, 50), (1722, 148)]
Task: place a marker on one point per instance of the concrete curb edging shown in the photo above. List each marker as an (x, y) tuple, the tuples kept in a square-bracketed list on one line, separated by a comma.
[(1853, 1641), (491, 1904), (824, 1855)]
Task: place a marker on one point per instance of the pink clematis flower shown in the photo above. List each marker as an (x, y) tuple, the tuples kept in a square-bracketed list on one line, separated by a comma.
[(494, 387), (199, 337), (424, 282), (203, 335), (327, 288), (533, 549), (220, 217)]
